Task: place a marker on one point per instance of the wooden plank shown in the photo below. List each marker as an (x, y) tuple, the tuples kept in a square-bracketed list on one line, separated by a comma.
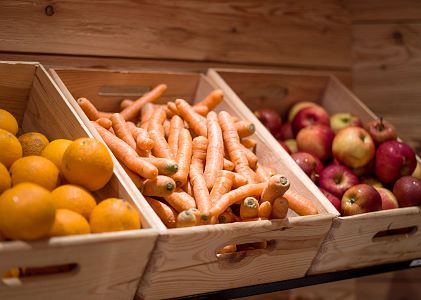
[(384, 10), (276, 32), (387, 74)]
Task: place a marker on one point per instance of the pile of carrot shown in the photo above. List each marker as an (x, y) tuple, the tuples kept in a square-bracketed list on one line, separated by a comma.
[(194, 166)]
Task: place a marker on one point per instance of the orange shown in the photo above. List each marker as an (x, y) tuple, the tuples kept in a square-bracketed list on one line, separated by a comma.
[(86, 162), (68, 222), (27, 212), (33, 143), (114, 215), (8, 122), (35, 169), (54, 151), (74, 198), (10, 148), (5, 181)]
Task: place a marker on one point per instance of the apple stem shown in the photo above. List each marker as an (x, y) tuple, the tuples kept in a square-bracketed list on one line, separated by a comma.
[(380, 126)]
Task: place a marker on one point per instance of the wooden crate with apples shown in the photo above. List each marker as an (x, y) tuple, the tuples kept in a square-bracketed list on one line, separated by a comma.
[(186, 260), (356, 240), (90, 266)]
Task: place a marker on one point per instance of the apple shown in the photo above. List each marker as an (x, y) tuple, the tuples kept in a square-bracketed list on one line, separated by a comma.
[(270, 119), (393, 160), (359, 199), (297, 107), (353, 147), (342, 120), (309, 116), (389, 200), (333, 199), (292, 145), (381, 130), (317, 140), (365, 170), (337, 179), (417, 171), (370, 180), (284, 146), (408, 191), (286, 130), (310, 164)]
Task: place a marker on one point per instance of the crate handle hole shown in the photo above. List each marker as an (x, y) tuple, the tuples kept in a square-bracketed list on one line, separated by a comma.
[(239, 251), (16, 277), (395, 233)]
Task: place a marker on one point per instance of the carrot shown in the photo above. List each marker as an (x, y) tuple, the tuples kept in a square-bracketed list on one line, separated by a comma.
[(276, 187), (227, 217), (104, 122), (239, 180), (145, 114), (196, 213), (249, 208), (160, 186), (172, 108), (133, 110), (188, 188), (228, 165), (141, 136), (236, 196), (228, 249), (252, 246), (201, 110), (280, 208), (194, 120), (251, 157), (125, 103), (235, 119), (180, 200), (262, 174), (137, 180), (121, 130), (244, 128), (235, 149), (183, 159), (90, 110), (265, 210), (200, 191), (157, 120), (300, 204), (215, 152), (176, 125), (212, 100), (249, 143), (165, 166), (186, 219), (167, 215), (126, 154), (223, 183), (160, 147), (166, 126)]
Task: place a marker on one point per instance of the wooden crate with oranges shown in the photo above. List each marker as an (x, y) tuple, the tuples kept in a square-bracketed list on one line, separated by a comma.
[(69, 227)]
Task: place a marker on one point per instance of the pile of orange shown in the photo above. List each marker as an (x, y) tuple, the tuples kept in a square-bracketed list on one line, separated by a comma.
[(34, 204)]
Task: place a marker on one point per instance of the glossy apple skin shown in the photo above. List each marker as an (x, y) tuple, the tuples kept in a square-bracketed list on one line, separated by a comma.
[(371, 181), (389, 200), (285, 146), (310, 164), (393, 160), (270, 119), (366, 170), (408, 191), (292, 145), (337, 179), (309, 116), (333, 199), (299, 106), (353, 147), (286, 130), (317, 140), (359, 199), (381, 131), (342, 120)]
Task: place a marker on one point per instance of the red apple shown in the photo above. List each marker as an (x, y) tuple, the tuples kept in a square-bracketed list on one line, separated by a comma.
[(393, 160), (297, 107), (292, 145), (337, 179), (314, 115), (317, 140), (333, 199), (284, 146), (381, 130), (371, 181), (353, 147), (310, 164), (342, 120), (408, 191), (365, 170), (359, 199), (388, 199), (286, 130), (270, 118)]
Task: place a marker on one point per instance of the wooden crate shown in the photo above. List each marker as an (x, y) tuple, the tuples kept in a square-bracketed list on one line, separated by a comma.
[(107, 265), (351, 243), (185, 261)]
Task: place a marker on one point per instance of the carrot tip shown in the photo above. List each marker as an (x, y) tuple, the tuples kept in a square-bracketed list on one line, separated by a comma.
[(204, 217), (252, 128), (170, 186)]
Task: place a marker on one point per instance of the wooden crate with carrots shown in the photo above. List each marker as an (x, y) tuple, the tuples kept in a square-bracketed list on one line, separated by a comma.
[(43, 254), (208, 241), (355, 240)]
